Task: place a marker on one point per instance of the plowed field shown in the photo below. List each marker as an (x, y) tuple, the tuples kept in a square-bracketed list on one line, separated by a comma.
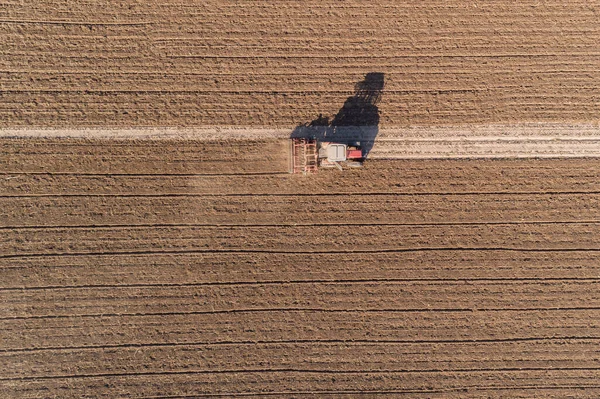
[(174, 269), (280, 63), (198, 267)]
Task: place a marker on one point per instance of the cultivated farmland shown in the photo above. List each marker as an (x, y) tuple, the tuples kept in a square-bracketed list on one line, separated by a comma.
[(280, 63), (161, 278), (153, 245)]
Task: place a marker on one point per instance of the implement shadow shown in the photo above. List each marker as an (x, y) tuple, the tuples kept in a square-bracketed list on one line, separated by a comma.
[(356, 122)]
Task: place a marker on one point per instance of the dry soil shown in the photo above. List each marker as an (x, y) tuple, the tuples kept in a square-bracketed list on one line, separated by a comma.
[(281, 63), (164, 269)]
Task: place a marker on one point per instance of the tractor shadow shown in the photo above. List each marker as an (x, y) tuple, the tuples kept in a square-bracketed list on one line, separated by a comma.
[(356, 122)]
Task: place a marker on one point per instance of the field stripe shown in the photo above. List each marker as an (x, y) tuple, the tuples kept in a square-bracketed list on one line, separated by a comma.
[(328, 194), (305, 310), (369, 392), (300, 371), (283, 225), (294, 252), (353, 342), (490, 280), (484, 141)]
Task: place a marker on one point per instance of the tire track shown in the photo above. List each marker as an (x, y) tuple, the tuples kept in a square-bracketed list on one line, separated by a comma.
[(20, 173), (330, 296), (293, 252), (329, 194), (305, 310), (327, 239), (299, 371), (408, 177), (232, 268), (80, 23), (292, 325), (299, 341), (570, 389), (284, 225), (440, 281), (386, 357), (386, 57)]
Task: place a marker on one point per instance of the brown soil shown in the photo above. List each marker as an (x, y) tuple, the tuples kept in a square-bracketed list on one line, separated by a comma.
[(198, 267), (186, 268), (176, 63)]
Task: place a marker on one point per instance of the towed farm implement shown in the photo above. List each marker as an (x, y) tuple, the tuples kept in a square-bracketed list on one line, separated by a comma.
[(308, 155)]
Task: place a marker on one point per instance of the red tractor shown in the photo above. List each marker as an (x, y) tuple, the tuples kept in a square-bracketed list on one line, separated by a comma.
[(307, 155)]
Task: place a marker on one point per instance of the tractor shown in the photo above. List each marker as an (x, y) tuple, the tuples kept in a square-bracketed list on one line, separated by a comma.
[(308, 155)]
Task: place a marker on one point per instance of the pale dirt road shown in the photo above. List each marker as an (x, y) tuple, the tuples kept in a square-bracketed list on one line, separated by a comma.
[(525, 140)]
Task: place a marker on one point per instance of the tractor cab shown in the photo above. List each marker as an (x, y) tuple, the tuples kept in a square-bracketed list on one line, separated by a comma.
[(309, 154)]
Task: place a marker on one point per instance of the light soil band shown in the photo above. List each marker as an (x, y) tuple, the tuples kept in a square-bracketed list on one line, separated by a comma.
[(535, 140)]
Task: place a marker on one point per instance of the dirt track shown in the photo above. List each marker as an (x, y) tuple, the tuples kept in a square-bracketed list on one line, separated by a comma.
[(274, 63), (126, 273), (522, 140)]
